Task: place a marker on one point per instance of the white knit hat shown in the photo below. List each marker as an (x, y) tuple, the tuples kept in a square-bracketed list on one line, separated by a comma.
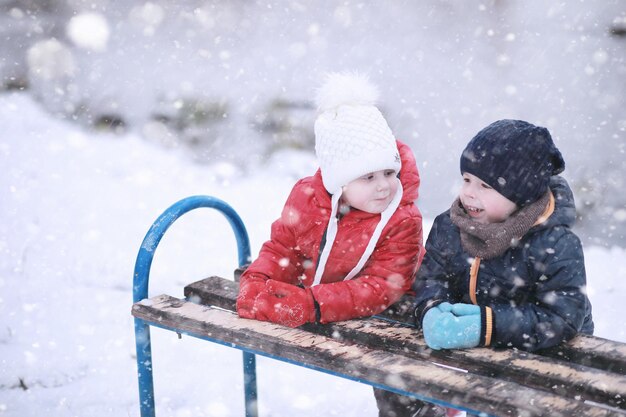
[(352, 139)]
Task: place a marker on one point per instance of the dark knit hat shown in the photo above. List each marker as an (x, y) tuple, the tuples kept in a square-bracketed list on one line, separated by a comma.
[(514, 157)]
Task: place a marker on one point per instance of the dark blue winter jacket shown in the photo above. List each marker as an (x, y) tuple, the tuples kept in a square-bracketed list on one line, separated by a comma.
[(536, 290)]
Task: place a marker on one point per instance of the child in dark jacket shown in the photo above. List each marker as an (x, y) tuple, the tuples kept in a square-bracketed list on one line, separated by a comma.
[(503, 267), (349, 240)]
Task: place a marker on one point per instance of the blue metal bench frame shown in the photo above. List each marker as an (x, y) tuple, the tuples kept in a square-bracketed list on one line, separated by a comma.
[(140, 292)]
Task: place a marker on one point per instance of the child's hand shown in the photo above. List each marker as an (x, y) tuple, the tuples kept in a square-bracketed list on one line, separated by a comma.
[(285, 304), (460, 309), (452, 326), (248, 292)]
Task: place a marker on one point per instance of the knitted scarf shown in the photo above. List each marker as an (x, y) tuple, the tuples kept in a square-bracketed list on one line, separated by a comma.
[(489, 241)]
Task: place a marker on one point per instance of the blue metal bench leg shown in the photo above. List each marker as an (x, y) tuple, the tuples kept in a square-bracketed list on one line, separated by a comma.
[(140, 292), (249, 381), (144, 368)]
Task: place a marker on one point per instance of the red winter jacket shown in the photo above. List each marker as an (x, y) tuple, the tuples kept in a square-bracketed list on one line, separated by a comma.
[(291, 255)]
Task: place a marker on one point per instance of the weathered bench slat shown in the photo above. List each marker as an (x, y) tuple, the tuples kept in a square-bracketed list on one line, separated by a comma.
[(359, 362), (586, 350), (561, 376)]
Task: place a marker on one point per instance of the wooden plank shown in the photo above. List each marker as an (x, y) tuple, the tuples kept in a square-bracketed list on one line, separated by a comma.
[(557, 376), (592, 351), (586, 350), (595, 352), (215, 291), (375, 366), (557, 373)]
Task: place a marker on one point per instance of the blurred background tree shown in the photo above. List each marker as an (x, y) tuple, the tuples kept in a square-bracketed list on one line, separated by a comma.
[(233, 81)]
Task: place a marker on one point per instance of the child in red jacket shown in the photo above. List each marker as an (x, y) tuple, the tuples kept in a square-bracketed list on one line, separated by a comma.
[(349, 239)]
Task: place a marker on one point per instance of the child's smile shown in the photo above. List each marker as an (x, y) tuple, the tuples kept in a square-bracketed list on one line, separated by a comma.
[(482, 203), (473, 211)]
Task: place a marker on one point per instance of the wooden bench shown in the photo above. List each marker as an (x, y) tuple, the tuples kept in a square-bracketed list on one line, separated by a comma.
[(584, 377)]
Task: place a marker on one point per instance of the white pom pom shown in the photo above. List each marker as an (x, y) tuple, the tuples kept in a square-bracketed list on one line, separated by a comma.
[(345, 89)]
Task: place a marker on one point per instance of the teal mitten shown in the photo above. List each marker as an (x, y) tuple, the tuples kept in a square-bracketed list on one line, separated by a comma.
[(461, 309), (452, 326)]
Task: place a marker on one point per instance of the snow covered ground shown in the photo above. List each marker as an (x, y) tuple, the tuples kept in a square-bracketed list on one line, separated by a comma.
[(75, 207)]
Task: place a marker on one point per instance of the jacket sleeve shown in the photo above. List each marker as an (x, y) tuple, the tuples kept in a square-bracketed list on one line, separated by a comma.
[(434, 282), (557, 309), (278, 258), (386, 276)]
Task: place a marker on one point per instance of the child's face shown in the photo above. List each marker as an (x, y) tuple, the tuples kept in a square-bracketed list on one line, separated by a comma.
[(372, 192), (484, 204)]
